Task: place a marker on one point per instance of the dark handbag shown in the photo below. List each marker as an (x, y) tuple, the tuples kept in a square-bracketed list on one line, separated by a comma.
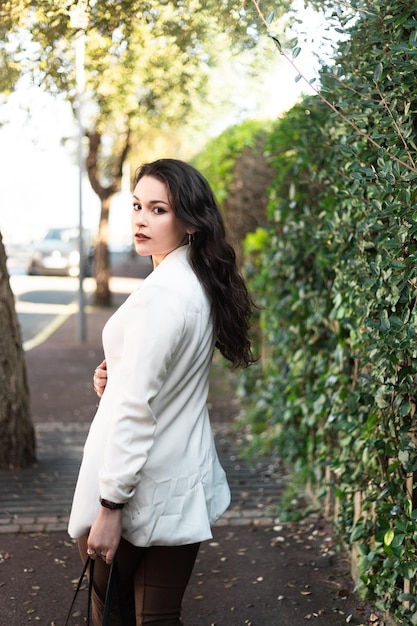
[(114, 581)]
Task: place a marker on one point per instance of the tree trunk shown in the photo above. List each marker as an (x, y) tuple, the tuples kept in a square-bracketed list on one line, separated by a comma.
[(17, 435), (102, 263)]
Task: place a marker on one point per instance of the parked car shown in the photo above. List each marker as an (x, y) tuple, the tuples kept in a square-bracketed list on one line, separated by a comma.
[(57, 252)]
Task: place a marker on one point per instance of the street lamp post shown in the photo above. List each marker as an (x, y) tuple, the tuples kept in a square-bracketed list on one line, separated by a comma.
[(79, 20)]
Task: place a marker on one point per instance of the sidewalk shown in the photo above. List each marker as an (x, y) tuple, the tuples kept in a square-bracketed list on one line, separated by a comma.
[(256, 571)]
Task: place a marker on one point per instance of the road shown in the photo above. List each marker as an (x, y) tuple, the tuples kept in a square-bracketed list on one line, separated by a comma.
[(43, 303)]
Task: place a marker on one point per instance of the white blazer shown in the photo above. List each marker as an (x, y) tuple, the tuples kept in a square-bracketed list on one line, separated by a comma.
[(150, 444)]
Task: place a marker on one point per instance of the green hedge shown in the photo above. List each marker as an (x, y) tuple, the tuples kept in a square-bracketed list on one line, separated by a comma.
[(218, 159), (336, 275)]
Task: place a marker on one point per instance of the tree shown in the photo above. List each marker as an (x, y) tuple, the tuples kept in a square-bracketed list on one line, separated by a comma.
[(147, 67), (17, 438)]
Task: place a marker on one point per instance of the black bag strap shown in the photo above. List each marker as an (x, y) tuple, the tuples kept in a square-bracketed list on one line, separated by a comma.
[(113, 582), (90, 587)]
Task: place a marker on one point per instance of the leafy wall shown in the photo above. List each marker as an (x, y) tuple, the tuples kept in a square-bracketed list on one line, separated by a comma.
[(335, 273)]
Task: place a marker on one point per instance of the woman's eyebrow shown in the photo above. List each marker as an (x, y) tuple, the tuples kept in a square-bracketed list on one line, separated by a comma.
[(153, 201)]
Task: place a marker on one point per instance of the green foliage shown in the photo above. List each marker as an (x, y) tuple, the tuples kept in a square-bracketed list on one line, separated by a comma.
[(335, 273), (218, 159), (186, 31), (291, 275), (147, 69)]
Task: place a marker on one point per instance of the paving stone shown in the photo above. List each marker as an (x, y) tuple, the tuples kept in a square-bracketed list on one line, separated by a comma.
[(40, 497)]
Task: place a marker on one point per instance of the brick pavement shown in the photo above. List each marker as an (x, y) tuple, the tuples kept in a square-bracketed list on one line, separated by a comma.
[(38, 499)]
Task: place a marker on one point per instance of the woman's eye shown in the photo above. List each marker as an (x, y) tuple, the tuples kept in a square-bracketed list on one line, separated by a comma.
[(136, 207), (159, 210)]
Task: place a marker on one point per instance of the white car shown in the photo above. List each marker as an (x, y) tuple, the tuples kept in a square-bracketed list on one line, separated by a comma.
[(58, 253)]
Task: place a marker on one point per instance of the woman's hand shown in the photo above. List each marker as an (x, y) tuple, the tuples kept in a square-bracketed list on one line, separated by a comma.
[(105, 533), (100, 378)]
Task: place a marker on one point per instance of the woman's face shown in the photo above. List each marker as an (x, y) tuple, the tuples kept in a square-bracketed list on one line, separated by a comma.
[(156, 230)]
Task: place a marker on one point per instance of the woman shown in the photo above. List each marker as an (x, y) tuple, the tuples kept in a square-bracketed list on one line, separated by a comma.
[(150, 483)]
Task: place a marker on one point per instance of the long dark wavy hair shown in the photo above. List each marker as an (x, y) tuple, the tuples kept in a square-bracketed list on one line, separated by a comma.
[(212, 257)]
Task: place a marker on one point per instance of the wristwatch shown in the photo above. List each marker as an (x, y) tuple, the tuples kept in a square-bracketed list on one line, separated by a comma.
[(111, 505)]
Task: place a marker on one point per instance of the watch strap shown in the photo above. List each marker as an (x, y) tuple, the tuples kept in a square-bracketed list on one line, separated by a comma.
[(111, 505)]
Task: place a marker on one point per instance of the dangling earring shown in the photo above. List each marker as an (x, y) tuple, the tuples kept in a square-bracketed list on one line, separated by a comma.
[(190, 238)]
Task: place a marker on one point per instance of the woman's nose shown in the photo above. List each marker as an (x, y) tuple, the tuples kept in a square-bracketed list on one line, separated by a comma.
[(139, 217)]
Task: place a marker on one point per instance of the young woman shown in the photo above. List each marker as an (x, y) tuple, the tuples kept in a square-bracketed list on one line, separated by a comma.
[(150, 484)]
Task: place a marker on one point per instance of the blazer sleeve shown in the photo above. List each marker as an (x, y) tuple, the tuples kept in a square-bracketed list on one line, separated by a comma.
[(153, 329)]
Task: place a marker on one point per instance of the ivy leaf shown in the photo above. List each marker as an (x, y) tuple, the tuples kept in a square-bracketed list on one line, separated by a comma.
[(378, 71), (397, 541), (270, 17), (276, 41), (388, 537)]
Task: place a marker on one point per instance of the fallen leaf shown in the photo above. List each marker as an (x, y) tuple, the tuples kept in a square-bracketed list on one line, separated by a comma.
[(4, 556)]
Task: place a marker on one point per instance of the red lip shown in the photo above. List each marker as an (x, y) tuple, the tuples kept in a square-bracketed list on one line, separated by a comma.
[(141, 237)]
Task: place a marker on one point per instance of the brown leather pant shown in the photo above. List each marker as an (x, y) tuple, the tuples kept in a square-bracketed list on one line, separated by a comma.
[(153, 580)]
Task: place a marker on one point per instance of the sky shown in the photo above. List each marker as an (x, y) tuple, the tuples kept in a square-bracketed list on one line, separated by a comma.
[(38, 154), (39, 186)]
